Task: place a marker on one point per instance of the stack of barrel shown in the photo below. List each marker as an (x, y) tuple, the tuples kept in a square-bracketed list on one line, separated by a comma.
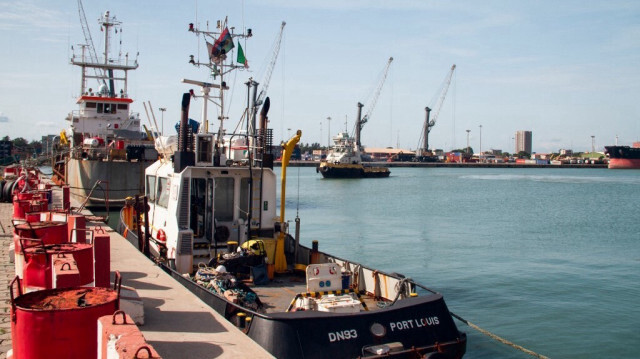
[(62, 302)]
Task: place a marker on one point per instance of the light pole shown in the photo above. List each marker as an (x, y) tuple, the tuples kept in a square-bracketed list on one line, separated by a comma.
[(288, 133), (329, 134), (593, 144), (468, 140), (320, 133), (480, 151), (162, 110)]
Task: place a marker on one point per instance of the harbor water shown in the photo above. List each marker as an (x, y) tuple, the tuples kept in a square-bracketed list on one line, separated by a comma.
[(546, 258)]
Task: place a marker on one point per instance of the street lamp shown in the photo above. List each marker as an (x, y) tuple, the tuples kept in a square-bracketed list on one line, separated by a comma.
[(329, 134), (480, 151), (288, 133), (162, 110), (593, 144), (468, 140)]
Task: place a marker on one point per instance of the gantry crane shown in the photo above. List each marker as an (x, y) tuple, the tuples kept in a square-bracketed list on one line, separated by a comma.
[(361, 121), (430, 122)]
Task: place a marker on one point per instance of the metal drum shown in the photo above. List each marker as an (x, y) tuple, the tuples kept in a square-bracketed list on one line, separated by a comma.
[(44, 232), (60, 323), (39, 262)]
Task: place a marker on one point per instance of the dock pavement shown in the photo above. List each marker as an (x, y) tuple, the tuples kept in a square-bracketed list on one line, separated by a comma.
[(176, 323)]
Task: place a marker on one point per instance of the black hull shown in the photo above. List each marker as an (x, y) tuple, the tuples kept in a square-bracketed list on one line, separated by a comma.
[(421, 324), (623, 152), (353, 172)]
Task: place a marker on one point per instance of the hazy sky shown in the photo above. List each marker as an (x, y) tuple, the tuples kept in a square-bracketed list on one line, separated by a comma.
[(565, 70)]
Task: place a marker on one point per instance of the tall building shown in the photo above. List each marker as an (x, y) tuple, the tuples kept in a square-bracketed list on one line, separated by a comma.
[(523, 141)]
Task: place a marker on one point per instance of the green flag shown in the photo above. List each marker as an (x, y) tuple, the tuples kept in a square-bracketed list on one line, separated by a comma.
[(241, 58)]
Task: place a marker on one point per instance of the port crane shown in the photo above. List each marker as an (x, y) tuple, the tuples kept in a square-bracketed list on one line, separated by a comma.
[(361, 121), (267, 77), (260, 98), (430, 121)]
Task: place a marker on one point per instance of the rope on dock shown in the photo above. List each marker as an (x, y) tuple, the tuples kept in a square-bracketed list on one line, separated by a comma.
[(500, 339)]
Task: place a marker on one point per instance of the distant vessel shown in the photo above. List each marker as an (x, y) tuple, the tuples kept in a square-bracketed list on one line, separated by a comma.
[(107, 152), (345, 157), (624, 157), (345, 161)]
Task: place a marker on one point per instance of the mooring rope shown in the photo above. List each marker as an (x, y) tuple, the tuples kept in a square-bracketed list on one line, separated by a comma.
[(498, 338)]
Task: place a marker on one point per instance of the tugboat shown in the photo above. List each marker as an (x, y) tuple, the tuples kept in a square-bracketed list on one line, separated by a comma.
[(345, 161), (209, 219), (104, 152), (345, 157)]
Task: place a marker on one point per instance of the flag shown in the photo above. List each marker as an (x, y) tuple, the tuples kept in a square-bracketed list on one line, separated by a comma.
[(223, 45), (241, 58)]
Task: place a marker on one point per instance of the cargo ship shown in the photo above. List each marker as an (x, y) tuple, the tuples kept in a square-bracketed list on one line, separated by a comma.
[(624, 157), (209, 218), (103, 151)]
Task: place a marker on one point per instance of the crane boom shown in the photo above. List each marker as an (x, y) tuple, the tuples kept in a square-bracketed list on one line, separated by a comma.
[(88, 39), (430, 122), (376, 94), (272, 64)]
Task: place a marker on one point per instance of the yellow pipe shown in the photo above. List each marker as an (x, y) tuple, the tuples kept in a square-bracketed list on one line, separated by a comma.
[(280, 260)]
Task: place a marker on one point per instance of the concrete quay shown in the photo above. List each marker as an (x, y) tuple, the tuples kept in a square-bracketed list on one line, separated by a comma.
[(176, 323)]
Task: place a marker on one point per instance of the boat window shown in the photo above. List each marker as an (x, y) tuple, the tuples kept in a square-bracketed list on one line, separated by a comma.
[(198, 195), (90, 105), (163, 192), (244, 199), (109, 108), (151, 188), (100, 108), (223, 199), (123, 106)]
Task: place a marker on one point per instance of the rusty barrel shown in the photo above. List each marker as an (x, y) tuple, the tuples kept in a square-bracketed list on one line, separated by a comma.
[(32, 233), (60, 323), (39, 261)]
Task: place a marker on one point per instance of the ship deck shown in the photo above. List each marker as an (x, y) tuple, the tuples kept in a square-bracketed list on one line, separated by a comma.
[(277, 295)]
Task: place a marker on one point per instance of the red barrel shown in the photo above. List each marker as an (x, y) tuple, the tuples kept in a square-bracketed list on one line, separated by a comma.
[(39, 261), (22, 207), (60, 323), (49, 232), (120, 144)]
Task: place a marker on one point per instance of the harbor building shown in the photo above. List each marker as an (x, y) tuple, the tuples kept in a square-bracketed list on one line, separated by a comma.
[(523, 141)]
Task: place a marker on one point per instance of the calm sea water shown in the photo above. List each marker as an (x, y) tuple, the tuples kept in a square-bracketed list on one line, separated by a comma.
[(546, 258)]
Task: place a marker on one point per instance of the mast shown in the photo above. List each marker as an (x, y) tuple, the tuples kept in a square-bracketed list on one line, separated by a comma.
[(218, 67), (107, 65)]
